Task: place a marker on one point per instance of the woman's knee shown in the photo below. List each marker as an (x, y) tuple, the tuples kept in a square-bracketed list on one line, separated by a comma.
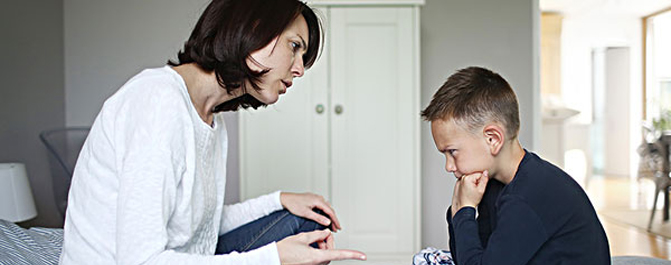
[(301, 224)]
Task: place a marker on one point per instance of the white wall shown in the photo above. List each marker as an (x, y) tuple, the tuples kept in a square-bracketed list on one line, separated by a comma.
[(500, 35), (581, 33)]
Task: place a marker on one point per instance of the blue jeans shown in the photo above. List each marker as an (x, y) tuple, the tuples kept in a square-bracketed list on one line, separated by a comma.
[(265, 230)]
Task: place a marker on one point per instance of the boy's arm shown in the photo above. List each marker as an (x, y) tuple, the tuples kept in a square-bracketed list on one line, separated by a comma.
[(450, 230), (486, 216), (518, 235)]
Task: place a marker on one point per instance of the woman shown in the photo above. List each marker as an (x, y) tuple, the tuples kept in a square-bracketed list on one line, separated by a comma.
[(148, 187)]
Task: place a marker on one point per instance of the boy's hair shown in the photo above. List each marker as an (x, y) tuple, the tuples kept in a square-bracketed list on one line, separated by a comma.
[(474, 96)]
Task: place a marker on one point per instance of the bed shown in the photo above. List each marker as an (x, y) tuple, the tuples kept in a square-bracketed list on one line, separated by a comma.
[(34, 246)]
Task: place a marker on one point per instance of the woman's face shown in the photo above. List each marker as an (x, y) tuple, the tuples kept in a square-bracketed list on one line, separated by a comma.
[(283, 56)]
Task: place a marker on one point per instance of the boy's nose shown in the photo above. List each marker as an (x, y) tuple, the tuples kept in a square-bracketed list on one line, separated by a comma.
[(450, 166)]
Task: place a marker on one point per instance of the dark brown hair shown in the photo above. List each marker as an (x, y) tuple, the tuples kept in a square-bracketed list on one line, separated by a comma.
[(228, 31), (474, 96)]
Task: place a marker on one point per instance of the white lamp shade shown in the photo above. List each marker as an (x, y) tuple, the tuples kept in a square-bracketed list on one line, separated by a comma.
[(16, 199)]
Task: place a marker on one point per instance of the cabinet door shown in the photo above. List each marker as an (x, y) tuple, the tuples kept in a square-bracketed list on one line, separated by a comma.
[(284, 146), (374, 138)]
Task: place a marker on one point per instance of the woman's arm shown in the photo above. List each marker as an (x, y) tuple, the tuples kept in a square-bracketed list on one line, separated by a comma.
[(236, 215)]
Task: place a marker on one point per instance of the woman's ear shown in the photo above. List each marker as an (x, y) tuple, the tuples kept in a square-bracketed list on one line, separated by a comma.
[(495, 137)]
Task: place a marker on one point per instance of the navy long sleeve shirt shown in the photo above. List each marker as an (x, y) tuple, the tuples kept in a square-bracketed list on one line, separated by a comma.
[(541, 217)]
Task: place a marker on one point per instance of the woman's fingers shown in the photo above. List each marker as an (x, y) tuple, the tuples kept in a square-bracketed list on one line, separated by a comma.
[(330, 242), (322, 245), (328, 210), (323, 220), (300, 252), (315, 236), (343, 254), (305, 204)]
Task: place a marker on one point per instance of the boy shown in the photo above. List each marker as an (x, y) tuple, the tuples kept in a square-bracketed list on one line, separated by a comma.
[(529, 211)]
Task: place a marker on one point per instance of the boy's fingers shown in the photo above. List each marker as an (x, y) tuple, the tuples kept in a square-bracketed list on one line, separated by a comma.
[(484, 180)]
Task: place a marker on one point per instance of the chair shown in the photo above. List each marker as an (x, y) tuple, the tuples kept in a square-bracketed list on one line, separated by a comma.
[(651, 166), (63, 146)]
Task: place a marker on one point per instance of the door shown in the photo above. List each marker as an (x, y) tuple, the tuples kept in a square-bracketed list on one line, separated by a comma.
[(349, 130), (374, 128)]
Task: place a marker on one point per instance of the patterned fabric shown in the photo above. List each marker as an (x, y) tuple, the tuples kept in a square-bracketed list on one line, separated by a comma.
[(432, 256), (34, 246)]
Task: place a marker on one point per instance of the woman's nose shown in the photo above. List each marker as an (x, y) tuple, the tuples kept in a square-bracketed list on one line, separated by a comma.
[(298, 69)]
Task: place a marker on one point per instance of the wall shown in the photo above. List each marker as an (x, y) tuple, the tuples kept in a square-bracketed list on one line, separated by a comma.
[(581, 34), (500, 35), (107, 42), (31, 93)]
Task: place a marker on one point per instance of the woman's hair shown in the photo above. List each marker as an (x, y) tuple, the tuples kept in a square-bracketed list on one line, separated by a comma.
[(227, 33), (474, 96)]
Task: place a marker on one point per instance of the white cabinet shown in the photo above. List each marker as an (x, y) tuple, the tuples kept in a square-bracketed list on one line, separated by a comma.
[(349, 130)]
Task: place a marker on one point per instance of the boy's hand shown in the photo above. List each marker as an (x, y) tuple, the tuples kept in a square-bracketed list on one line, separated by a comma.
[(468, 191)]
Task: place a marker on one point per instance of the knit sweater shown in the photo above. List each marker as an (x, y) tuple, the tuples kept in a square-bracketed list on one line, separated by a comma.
[(149, 184)]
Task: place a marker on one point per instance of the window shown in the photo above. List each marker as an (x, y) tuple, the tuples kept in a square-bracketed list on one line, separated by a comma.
[(657, 89)]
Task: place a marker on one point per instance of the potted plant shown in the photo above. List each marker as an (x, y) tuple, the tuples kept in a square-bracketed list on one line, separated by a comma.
[(663, 122)]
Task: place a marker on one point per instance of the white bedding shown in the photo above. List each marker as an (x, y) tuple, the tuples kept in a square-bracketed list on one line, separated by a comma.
[(34, 246)]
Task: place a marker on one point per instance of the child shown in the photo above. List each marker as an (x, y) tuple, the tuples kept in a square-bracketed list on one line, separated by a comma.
[(528, 210)]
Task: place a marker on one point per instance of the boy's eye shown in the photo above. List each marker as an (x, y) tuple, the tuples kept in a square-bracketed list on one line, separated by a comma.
[(451, 151)]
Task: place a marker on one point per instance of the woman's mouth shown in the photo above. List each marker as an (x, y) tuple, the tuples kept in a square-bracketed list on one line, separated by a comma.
[(287, 84)]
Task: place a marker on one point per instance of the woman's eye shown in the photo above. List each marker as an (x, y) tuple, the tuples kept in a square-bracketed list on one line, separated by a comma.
[(295, 46)]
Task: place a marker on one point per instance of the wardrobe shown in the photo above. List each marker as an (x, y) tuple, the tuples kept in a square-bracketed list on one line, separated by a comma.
[(349, 129)]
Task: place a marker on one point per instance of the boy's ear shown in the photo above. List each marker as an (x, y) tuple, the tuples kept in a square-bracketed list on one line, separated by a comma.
[(495, 137)]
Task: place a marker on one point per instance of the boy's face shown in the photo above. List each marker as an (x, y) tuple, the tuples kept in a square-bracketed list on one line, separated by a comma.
[(465, 153)]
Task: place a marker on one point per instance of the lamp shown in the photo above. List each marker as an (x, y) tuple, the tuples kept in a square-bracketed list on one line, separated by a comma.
[(16, 199)]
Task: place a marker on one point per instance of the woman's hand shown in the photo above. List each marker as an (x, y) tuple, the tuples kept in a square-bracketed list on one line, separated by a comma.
[(304, 204), (296, 249)]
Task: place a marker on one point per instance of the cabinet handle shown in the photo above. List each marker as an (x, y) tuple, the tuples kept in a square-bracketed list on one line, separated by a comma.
[(338, 109), (319, 108)]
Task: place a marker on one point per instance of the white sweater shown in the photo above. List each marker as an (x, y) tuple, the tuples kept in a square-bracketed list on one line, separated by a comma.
[(149, 183)]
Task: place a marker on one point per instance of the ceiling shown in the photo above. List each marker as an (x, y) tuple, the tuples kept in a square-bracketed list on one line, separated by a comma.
[(617, 7)]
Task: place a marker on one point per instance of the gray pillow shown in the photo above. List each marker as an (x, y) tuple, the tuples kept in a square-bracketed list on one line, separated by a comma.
[(633, 260)]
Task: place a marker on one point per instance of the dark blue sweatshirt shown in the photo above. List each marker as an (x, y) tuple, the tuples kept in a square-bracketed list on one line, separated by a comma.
[(541, 217)]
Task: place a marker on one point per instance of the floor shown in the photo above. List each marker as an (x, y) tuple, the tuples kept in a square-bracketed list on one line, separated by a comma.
[(619, 192)]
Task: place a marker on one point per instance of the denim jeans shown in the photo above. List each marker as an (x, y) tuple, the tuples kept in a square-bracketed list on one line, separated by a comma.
[(265, 230)]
